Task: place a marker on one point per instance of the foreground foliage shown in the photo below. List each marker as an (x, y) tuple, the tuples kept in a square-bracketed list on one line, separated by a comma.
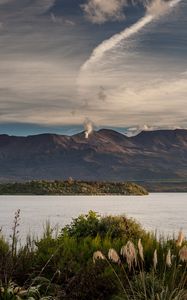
[(95, 258)]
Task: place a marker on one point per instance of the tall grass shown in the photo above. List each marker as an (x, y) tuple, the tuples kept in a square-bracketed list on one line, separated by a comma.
[(166, 278), (93, 258)]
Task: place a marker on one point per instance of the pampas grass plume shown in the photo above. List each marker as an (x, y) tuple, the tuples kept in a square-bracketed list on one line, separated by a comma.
[(180, 239), (140, 250), (183, 254), (113, 256), (155, 259), (98, 255), (168, 259)]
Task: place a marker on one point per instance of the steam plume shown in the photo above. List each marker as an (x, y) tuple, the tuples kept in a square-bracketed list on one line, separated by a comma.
[(154, 10), (88, 127)]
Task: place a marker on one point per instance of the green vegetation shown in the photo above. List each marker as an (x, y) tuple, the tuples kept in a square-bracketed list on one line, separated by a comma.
[(95, 258), (71, 187)]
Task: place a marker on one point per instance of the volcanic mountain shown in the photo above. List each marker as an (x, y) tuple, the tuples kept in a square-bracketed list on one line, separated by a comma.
[(105, 155)]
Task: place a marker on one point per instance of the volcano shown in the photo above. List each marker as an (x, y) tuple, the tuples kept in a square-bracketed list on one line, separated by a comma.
[(106, 155)]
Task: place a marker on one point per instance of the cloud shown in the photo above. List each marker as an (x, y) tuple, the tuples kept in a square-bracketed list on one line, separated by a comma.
[(100, 11), (60, 20), (144, 78), (131, 131), (157, 7), (40, 61), (21, 9), (69, 22), (154, 10), (38, 6), (102, 94)]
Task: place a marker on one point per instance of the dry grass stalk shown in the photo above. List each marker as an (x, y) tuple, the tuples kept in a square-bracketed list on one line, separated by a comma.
[(129, 252), (155, 259), (15, 233), (140, 250), (183, 254), (113, 256), (98, 255), (180, 239), (168, 259)]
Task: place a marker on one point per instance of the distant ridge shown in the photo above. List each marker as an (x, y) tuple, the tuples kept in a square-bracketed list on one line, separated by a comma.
[(105, 155)]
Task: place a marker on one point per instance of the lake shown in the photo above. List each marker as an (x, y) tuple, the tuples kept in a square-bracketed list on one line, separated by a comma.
[(164, 212)]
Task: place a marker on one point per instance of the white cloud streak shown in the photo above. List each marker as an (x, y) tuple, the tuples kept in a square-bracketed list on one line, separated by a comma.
[(154, 10), (107, 45)]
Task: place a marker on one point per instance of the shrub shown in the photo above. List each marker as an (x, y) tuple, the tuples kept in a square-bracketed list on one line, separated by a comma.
[(61, 266), (92, 224)]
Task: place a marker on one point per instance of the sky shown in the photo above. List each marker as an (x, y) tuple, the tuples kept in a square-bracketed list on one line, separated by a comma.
[(120, 64)]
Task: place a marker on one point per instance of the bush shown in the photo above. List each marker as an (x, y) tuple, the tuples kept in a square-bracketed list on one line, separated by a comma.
[(93, 224), (61, 265)]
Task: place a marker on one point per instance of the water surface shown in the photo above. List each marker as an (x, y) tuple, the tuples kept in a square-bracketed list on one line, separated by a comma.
[(164, 212)]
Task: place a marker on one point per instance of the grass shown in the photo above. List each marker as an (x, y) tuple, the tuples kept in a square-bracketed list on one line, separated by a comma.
[(93, 258)]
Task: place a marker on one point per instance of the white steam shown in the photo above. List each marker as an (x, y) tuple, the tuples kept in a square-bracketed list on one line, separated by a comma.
[(132, 131), (88, 127), (154, 10)]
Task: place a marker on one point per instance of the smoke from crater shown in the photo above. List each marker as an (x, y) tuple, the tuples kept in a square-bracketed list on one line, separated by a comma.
[(88, 127)]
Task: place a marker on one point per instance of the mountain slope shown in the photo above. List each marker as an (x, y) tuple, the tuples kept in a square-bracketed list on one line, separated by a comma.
[(105, 155)]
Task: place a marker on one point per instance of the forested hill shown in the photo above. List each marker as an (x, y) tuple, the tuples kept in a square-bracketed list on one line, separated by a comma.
[(71, 187)]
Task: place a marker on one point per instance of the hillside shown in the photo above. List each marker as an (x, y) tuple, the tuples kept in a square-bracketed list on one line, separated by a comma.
[(105, 156)]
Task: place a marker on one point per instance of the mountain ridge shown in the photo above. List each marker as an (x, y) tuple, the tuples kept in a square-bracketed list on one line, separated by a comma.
[(105, 155)]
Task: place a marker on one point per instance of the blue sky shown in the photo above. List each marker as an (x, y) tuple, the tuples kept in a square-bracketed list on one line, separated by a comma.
[(139, 83)]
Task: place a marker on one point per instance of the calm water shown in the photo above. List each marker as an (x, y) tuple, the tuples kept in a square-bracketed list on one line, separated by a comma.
[(166, 213)]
